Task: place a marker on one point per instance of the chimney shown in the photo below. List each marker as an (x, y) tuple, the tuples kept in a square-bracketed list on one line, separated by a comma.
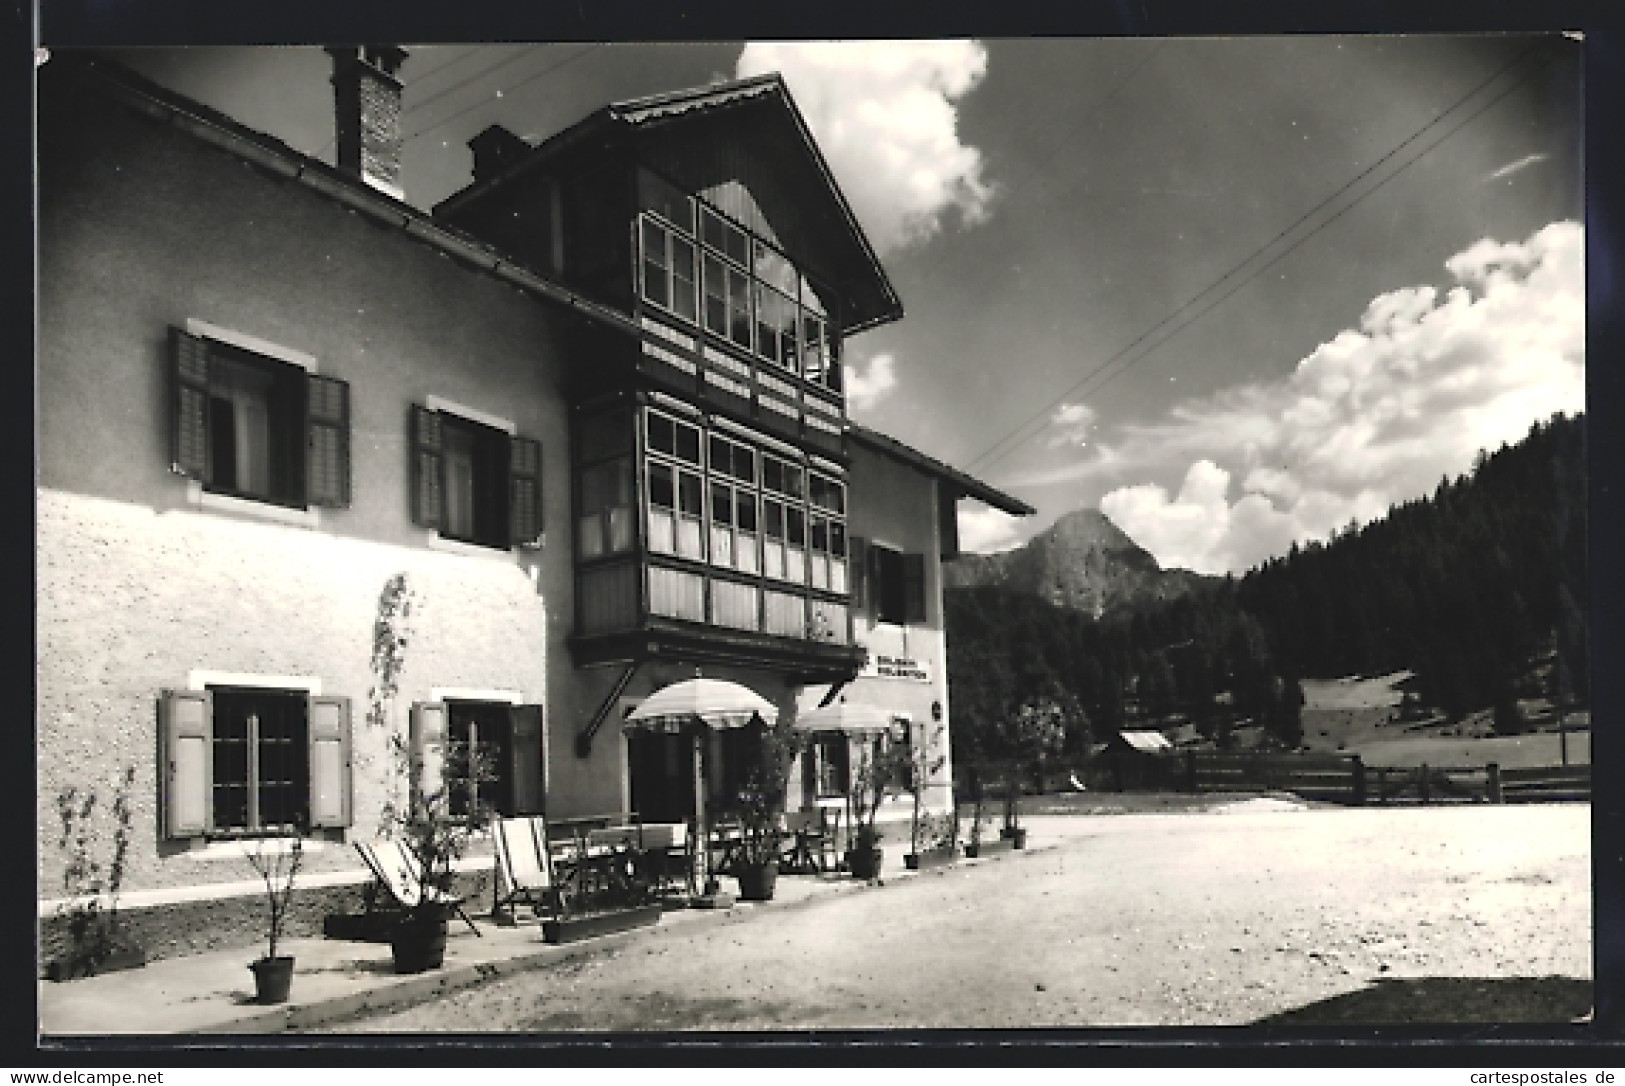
[(495, 149), (367, 102)]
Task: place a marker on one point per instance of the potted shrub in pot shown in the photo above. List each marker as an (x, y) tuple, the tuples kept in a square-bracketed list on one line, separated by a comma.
[(924, 763), (761, 809), (277, 860), (435, 833), (880, 773)]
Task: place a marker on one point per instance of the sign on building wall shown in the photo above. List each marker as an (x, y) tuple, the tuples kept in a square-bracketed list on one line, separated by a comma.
[(879, 666)]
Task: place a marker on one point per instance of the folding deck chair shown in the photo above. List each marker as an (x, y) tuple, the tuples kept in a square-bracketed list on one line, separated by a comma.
[(524, 868), (397, 871)]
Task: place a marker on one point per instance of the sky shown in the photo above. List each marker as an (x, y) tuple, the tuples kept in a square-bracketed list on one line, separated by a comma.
[(1234, 293)]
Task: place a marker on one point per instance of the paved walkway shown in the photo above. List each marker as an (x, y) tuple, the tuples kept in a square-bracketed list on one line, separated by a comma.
[(337, 979)]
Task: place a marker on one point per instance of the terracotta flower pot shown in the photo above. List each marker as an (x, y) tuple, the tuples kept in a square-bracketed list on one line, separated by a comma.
[(864, 863), (757, 881), (273, 977), (419, 944)]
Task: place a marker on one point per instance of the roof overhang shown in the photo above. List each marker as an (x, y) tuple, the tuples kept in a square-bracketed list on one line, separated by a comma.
[(963, 484)]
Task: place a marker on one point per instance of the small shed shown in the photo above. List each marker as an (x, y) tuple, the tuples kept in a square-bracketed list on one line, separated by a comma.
[(1139, 759)]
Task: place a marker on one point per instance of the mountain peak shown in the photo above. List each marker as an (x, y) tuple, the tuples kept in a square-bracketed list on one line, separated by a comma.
[(1082, 561)]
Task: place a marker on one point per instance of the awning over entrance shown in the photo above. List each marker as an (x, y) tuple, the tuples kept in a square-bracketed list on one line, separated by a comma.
[(711, 702), (843, 716)]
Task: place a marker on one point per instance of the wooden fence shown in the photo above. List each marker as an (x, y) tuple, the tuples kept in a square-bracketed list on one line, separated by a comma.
[(1345, 778)]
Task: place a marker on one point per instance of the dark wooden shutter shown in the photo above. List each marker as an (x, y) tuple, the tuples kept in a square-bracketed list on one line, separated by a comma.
[(857, 571), (186, 722), (426, 738), (525, 491), (427, 501), (528, 792), (913, 588), (190, 436), (330, 782), (328, 442)]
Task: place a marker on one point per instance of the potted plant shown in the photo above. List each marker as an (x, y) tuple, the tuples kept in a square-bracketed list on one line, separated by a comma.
[(880, 773), (277, 860), (95, 940), (923, 764), (973, 845), (436, 834), (761, 810)]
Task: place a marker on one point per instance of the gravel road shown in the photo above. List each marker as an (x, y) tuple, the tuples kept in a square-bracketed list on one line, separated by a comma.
[(1259, 912)]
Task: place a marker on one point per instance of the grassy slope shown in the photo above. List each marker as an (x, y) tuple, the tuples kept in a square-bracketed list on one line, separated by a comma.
[(1361, 716)]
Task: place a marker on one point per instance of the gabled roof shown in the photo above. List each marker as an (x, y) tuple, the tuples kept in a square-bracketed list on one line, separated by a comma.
[(965, 484), (773, 121)]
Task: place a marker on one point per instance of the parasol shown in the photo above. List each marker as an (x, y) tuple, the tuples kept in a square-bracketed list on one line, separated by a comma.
[(712, 704)]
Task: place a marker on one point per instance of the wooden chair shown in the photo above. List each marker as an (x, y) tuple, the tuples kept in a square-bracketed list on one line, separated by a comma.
[(806, 832), (524, 868), (397, 871)]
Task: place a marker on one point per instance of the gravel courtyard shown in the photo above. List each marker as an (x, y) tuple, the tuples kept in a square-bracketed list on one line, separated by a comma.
[(1254, 912)]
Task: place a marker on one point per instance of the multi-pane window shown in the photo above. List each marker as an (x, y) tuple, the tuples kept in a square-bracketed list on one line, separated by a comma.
[(716, 498), (668, 268), (667, 272), (251, 426), (676, 488), (776, 310), (830, 758), (484, 732), (473, 482), (734, 528), (827, 533), (604, 505), (737, 286), (239, 760), (261, 759)]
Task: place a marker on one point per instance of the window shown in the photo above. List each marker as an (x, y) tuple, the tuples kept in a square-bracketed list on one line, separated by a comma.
[(668, 268), (482, 752), (251, 426), (473, 482), (896, 588), (727, 301), (676, 516), (734, 539), (248, 760), (714, 497), (830, 759)]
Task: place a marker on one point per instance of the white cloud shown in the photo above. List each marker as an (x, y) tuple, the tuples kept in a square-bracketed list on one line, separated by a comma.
[(1374, 416), (1071, 423), (865, 388), (984, 529), (885, 116)]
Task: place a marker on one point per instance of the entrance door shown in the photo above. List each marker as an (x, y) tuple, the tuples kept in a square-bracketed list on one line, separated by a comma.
[(662, 772)]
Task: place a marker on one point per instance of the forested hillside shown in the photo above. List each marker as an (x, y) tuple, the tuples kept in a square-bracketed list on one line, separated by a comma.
[(1478, 589)]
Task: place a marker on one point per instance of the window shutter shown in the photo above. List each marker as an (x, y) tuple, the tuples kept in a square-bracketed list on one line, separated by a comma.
[(525, 491), (914, 588), (190, 439), (526, 749), (328, 441), (186, 719), (857, 565), (426, 736), (426, 475), (330, 802)]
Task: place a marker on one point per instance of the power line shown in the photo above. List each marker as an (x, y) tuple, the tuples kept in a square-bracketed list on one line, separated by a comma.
[(491, 69), (1013, 439), (505, 90)]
